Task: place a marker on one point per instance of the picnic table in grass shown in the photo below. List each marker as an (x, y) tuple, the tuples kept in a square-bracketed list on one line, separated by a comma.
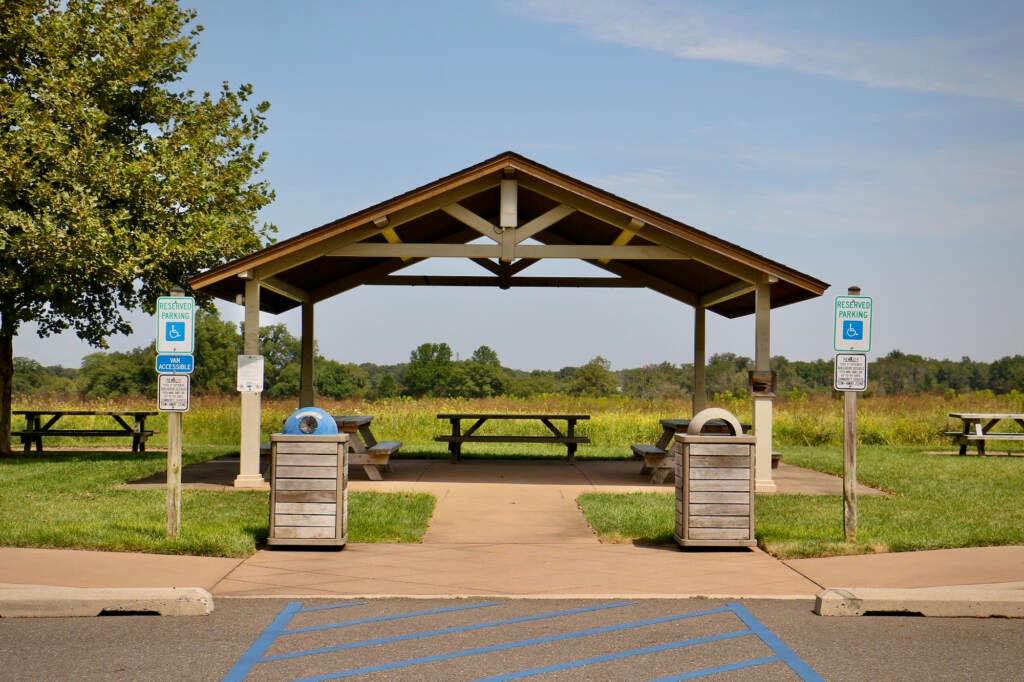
[(45, 423), (550, 434), (977, 429)]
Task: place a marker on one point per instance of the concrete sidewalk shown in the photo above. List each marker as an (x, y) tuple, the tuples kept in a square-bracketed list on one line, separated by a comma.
[(512, 528)]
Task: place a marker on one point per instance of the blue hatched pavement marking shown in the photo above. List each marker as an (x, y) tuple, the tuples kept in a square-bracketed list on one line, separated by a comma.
[(445, 631), (787, 655), (614, 657), (754, 627), (279, 625), (510, 645), (278, 628)]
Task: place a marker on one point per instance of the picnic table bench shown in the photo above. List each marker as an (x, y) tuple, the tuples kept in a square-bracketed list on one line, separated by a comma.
[(363, 448), (457, 437), (43, 423), (977, 429), (659, 459)]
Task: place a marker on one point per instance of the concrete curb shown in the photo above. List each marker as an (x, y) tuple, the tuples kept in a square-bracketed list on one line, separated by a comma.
[(930, 601), (33, 601)]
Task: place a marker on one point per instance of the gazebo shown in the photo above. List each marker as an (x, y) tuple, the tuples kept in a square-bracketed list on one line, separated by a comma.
[(506, 214)]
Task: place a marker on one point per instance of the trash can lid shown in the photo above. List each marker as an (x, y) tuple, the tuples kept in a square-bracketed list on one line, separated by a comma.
[(704, 416), (310, 421)]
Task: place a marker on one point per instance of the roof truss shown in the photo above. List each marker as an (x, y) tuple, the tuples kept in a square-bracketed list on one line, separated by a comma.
[(507, 214)]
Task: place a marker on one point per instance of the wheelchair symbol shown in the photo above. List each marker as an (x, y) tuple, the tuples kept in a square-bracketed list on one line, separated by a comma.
[(175, 331), (853, 329)]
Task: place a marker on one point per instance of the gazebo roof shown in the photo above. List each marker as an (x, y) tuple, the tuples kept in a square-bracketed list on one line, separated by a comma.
[(505, 214)]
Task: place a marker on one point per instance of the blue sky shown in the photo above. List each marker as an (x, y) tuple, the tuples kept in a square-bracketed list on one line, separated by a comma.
[(873, 143)]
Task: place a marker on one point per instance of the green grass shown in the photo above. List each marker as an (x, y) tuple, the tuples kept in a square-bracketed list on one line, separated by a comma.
[(936, 501), (72, 500)]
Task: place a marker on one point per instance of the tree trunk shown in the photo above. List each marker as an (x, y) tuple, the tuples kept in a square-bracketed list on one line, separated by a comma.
[(6, 379)]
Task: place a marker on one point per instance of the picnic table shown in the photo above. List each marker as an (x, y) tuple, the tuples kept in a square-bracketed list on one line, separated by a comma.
[(658, 459), (363, 448), (566, 437), (43, 423), (977, 429)]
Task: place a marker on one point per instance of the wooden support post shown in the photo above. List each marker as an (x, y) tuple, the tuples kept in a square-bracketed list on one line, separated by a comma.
[(174, 439), (850, 457), (700, 391), (763, 403), (174, 474), (307, 395), (850, 465), (249, 456)]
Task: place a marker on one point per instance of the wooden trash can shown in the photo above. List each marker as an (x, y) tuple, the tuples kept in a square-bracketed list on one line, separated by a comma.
[(714, 484), (308, 490)]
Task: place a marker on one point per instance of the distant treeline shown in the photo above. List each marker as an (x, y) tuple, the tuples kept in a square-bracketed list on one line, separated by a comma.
[(433, 371)]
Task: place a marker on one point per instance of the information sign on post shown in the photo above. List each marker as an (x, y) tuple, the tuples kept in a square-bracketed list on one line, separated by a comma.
[(250, 373), (853, 324), (851, 373), (175, 324), (173, 392)]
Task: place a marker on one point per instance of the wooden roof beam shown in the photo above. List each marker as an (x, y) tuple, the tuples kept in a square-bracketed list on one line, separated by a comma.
[(531, 251), (505, 283), (279, 286), (272, 260), (726, 293), (543, 222), (649, 230)]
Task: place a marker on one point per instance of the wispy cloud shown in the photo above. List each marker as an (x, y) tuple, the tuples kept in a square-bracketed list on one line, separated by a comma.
[(953, 192), (988, 66)]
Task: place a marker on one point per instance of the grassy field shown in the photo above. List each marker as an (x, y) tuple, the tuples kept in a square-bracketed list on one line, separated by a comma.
[(72, 499), (917, 420)]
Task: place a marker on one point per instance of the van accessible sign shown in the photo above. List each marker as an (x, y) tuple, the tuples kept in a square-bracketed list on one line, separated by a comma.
[(175, 324), (180, 363), (853, 324)]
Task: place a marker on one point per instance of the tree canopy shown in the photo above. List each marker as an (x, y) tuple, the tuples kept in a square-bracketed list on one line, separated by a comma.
[(114, 185)]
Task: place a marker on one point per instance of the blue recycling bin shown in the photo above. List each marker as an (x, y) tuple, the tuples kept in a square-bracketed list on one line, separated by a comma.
[(310, 421), (309, 481)]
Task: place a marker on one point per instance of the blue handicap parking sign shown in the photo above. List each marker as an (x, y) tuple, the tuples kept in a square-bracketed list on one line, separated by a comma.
[(853, 329), (174, 331)]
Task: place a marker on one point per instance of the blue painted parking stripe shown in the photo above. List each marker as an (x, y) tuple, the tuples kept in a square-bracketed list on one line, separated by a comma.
[(707, 672), (378, 619), (251, 657), (787, 655), (617, 656), (447, 631), (511, 645), (331, 607)]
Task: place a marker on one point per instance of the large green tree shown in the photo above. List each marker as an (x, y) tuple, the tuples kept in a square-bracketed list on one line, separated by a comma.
[(114, 184)]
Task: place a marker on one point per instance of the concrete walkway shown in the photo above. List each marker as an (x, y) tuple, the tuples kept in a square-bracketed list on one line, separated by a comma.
[(512, 528)]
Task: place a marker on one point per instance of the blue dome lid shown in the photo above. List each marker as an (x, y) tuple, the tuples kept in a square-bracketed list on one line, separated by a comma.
[(310, 421)]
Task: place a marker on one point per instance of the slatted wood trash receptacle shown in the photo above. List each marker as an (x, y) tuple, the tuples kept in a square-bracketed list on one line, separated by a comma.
[(714, 484), (308, 490)]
